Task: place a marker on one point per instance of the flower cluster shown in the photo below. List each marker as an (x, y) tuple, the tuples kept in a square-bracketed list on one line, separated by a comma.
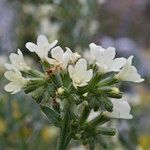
[(75, 87)]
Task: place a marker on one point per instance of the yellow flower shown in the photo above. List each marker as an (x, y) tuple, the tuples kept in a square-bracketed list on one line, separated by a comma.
[(144, 141), (3, 126), (16, 112), (26, 132), (48, 133)]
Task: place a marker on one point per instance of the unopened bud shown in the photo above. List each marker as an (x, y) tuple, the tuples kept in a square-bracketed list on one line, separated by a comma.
[(60, 91), (115, 90), (85, 94), (115, 93)]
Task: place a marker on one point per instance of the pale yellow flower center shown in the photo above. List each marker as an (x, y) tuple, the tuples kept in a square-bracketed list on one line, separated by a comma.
[(77, 80)]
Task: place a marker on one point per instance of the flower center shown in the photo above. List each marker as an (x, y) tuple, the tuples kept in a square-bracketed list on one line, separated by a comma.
[(77, 80)]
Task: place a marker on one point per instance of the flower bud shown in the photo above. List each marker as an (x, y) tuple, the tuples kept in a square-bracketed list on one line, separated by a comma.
[(107, 104), (108, 81), (106, 131), (38, 94), (60, 90), (115, 93), (85, 94), (33, 85), (99, 120)]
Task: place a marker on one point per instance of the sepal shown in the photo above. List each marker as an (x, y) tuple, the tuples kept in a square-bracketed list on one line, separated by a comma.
[(108, 81), (38, 94), (115, 93), (33, 84), (108, 105), (35, 73), (106, 131)]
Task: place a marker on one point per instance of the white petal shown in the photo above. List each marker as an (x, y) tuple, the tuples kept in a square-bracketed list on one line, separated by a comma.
[(10, 67), (121, 109), (88, 75), (31, 47), (95, 52), (129, 60), (51, 45), (16, 59), (110, 53), (20, 53), (93, 45), (79, 74), (67, 56), (11, 87), (117, 63), (42, 40), (129, 73), (9, 75), (81, 65), (71, 70), (79, 85), (68, 50), (57, 53)]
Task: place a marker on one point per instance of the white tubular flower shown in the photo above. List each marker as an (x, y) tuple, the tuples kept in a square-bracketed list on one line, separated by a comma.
[(42, 48), (17, 82), (17, 62), (73, 57), (129, 72), (105, 58), (121, 109), (61, 58), (79, 73)]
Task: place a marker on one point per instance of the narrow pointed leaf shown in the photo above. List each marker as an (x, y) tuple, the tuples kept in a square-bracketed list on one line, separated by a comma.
[(52, 116)]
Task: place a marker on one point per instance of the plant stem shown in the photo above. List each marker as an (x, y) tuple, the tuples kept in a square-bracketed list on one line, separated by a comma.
[(64, 131), (85, 114)]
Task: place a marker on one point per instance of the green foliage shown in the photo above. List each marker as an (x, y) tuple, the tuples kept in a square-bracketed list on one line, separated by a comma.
[(52, 116)]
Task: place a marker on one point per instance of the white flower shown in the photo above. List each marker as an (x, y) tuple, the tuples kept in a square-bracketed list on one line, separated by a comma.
[(17, 62), (16, 81), (129, 72), (73, 57), (42, 48), (105, 58), (121, 109), (61, 58), (79, 73)]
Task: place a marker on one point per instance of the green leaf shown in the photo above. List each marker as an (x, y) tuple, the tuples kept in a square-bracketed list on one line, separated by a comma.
[(52, 116)]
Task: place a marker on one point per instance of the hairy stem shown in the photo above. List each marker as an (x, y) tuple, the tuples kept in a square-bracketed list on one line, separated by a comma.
[(64, 131)]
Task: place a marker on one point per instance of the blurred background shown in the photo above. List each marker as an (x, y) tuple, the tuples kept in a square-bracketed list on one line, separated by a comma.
[(124, 25)]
